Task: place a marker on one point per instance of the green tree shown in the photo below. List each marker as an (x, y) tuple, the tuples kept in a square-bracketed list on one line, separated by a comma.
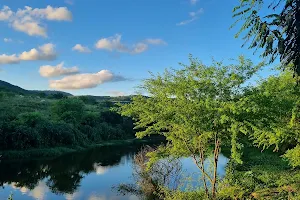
[(271, 115), (194, 109), (277, 33), (69, 110)]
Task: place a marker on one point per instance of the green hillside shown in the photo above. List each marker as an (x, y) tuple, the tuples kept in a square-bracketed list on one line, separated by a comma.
[(7, 87)]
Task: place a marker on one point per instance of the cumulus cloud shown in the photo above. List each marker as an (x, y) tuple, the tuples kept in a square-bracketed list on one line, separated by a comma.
[(5, 13), (80, 48), (87, 80), (114, 44), (194, 16), (45, 52), (100, 170), (29, 20), (50, 13), (58, 70), (9, 59), (30, 28), (111, 43)]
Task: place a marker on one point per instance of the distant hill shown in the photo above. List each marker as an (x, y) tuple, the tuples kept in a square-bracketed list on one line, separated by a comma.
[(111, 98), (5, 86), (16, 89)]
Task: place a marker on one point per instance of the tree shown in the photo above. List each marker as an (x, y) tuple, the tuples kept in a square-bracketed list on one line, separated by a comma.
[(155, 182), (277, 33), (69, 110), (271, 115), (194, 109)]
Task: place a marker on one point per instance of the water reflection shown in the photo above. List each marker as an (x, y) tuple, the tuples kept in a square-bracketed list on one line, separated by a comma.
[(63, 177), (87, 175)]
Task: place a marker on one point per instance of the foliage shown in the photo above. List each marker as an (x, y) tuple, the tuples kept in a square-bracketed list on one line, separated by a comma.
[(194, 108), (277, 32), (28, 122), (155, 182), (69, 110), (264, 175), (270, 114), (10, 197)]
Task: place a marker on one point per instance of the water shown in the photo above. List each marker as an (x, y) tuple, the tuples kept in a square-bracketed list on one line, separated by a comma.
[(89, 175)]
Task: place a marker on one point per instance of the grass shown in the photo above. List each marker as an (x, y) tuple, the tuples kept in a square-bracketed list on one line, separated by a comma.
[(58, 151)]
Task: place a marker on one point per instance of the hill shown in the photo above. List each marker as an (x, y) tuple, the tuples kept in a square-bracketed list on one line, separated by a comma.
[(8, 87)]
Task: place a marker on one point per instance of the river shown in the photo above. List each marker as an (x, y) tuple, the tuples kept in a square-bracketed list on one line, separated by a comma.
[(88, 175)]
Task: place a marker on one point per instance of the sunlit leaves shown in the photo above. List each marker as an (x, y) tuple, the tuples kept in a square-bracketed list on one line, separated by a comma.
[(190, 106)]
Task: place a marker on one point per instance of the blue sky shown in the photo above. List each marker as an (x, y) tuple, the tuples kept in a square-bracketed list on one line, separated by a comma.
[(121, 39)]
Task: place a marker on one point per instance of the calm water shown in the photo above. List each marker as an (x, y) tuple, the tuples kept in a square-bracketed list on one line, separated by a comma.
[(89, 175)]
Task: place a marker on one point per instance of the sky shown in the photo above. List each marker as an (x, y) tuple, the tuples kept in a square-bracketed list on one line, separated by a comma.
[(107, 47)]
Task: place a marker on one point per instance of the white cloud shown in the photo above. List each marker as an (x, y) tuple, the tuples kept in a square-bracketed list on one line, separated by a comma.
[(111, 43), (186, 22), (9, 59), (80, 48), (117, 93), (88, 80), (193, 15), (114, 44), (73, 196), (45, 52), (49, 13), (40, 191), (155, 41), (7, 40), (58, 14), (193, 2), (5, 13), (100, 170), (30, 28), (58, 70), (196, 13), (29, 20), (97, 197), (139, 48)]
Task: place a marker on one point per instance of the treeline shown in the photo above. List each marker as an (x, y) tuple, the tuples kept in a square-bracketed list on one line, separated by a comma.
[(34, 122)]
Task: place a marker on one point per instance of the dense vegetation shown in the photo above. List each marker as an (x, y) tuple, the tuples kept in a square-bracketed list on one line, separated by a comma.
[(31, 121), (43, 93), (202, 109)]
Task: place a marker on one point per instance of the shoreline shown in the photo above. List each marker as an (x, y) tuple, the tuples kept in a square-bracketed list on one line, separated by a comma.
[(59, 151)]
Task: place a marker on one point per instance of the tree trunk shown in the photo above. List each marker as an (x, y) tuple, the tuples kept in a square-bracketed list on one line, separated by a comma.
[(216, 158), (202, 158)]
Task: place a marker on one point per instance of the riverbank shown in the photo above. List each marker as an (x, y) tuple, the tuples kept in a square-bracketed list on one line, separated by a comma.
[(58, 151)]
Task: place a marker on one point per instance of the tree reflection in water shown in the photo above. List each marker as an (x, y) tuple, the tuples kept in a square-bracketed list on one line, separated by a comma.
[(64, 174), (150, 181)]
